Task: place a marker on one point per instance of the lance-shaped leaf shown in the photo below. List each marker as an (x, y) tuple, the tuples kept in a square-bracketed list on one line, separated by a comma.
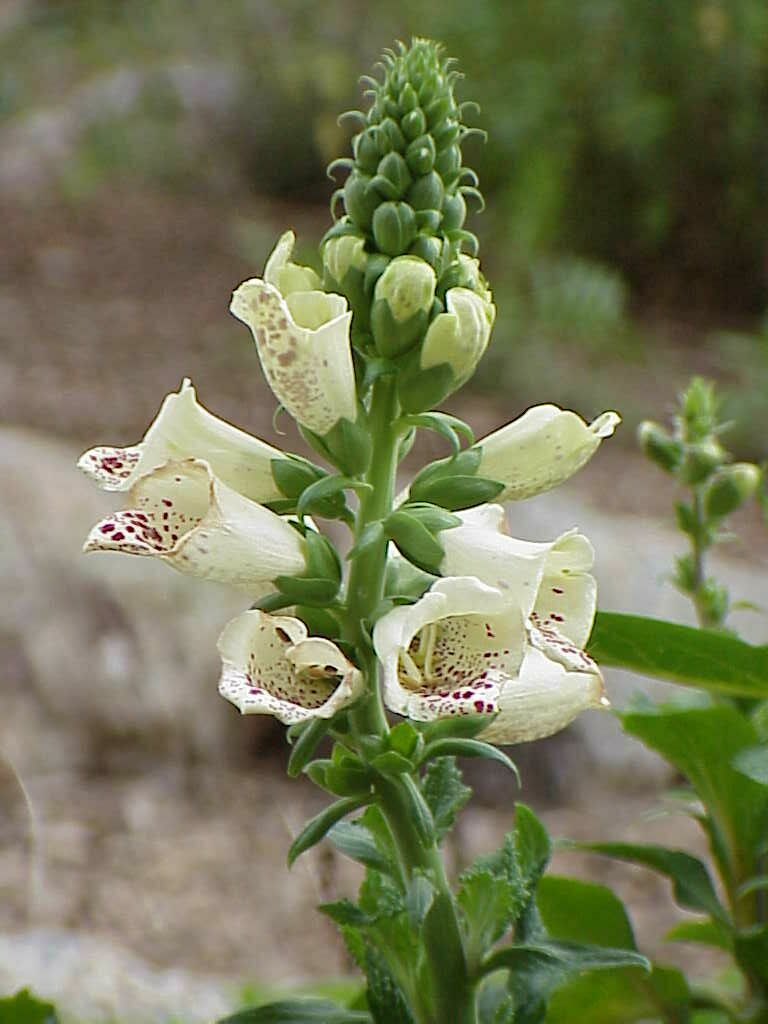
[(183, 515), (183, 429), (684, 654), (317, 828), (299, 1011), (270, 666), (541, 449), (302, 336)]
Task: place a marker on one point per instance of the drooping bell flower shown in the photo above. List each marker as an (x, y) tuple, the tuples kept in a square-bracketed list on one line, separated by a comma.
[(270, 666), (302, 336), (541, 449), (184, 429), (183, 515), (463, 649)]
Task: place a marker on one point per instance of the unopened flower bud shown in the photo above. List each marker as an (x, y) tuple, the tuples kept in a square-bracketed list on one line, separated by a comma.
[(394, 228), (729, 488), (460, 336), (403, 299), (343, 255), (659, 446), (393, 177), (427, 192), (700, 461), (360, 199), (454, 212)]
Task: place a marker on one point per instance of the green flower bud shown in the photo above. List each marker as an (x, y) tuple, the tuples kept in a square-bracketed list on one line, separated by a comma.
[(454, 212), (390, 130), (393, 177), (446, 134), (366, 151), (414, 124), (427, 192), (700, 461), (659, 446), (448, 164), (360, 199), (429, 249), (729, 488), (402, 302), (394, 228), (408, 100), (420, 154)]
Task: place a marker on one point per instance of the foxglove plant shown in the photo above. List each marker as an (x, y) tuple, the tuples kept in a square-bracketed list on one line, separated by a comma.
[(472, 637)]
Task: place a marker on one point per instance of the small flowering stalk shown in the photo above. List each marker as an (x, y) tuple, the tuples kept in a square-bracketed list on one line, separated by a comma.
[(470, 637), (693, 454)]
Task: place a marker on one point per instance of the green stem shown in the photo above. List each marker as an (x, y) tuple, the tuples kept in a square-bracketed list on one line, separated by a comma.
[(699, 545), (400, 799)]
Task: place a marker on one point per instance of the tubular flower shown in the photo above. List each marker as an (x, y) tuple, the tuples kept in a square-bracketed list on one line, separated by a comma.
[(271, 667), (183, 515), (480, 546), (184, 429), (302, 336), (541, 449), (464, 649)]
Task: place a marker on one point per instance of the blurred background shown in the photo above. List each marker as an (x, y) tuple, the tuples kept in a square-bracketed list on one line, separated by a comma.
[(151, 151)]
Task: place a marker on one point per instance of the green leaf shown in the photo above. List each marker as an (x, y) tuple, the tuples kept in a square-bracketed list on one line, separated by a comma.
[(538, 970), (293, 474), (306, 744), (432, 516), (414, 541), (24, 1008), (692, 657), (418, 899), (404, 738), (390, 763), (317, 827), (458, 492), (302, 590), (583, 911), (629, 996), (444, 792), (701, 740), (450, 427), (489, 903), (751, 951), (533, 847), (753, 763), (385, 997), (357, 842), (457, 747), (298, 1011), (705, 933), (466, 463), (691, 884), (345, 913), (314, 499), (456, 726)]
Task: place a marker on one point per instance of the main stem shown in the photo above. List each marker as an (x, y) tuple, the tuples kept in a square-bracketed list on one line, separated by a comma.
[(400, 799)]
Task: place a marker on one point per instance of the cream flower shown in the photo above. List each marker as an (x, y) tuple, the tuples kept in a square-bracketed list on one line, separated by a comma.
[(271, 667), (460, 336), (481, 547), (182, 514), (184, 429), (302, 336), (540, 449), (463, 649)]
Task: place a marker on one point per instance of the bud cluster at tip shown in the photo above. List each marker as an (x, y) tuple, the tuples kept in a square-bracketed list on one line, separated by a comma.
[(405, 190), (692, 452)]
